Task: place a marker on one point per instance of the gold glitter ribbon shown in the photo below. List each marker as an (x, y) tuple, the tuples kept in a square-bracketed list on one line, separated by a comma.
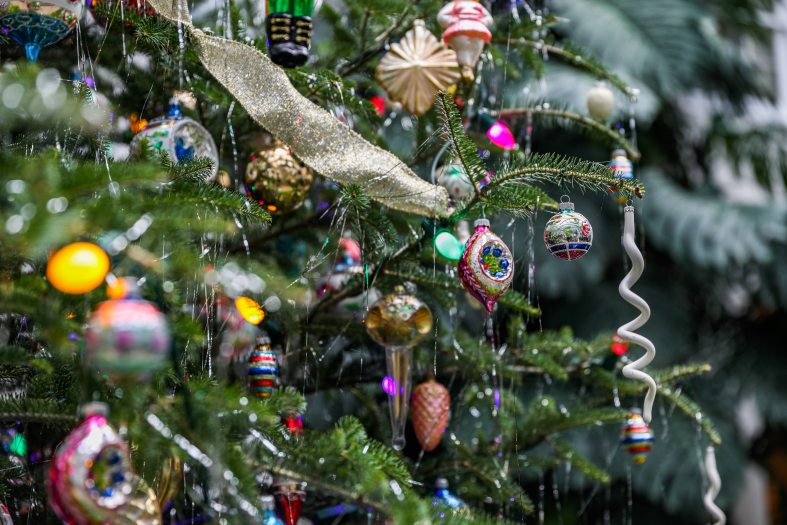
[(322, 142)]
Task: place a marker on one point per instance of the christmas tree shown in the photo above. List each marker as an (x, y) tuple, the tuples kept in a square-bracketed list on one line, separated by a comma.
[(263, 262)]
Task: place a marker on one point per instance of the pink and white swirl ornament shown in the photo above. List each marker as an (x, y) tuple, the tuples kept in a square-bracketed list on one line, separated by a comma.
[(486, 268), (90, 478), (626, 332)]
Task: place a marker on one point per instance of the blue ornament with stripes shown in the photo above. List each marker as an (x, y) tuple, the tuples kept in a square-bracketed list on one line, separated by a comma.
[(568, 235), (263, 369)]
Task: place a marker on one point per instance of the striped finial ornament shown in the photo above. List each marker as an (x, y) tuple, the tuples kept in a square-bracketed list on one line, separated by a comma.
[(636, 437), (263, 369)]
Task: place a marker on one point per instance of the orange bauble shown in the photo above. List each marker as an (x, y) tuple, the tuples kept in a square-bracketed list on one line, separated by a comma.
[(431, 407), (77, 268)]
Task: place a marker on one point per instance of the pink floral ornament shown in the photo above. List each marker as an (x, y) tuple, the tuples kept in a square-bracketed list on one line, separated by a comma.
[(90, 477), (486, 268)]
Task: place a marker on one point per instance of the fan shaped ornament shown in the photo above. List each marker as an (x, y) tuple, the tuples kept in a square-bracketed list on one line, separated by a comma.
[(416, 68)]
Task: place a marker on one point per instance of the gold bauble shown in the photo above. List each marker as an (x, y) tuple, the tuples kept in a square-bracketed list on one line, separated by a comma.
[(398, 320), (224, 179), (416, 68), (276, 179)]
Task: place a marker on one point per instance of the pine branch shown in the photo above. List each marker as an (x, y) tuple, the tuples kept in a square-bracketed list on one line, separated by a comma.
[(664, 379), (462, 148), (568, 453), (559, 170), (208, 196), (692, 410), (546, 110), (38, 410), (576, 57), (544, 419), (426, 278)]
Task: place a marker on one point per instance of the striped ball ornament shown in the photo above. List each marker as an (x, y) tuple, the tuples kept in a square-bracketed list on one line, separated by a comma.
[(636, 437), (263, 369)]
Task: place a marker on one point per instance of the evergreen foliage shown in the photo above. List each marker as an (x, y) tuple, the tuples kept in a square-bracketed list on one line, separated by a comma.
[(560, 395)]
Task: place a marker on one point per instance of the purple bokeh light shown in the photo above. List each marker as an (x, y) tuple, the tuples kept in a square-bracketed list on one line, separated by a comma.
[(388, 385)]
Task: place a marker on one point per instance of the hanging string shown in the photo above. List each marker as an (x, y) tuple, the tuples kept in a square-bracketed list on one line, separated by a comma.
[(634, 370), (714, 486)]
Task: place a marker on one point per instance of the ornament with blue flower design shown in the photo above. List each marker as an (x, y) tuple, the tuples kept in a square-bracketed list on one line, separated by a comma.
[(90, 478), (486, 268), (182, 138)]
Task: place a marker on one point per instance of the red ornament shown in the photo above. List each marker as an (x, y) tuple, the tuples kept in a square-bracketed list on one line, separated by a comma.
[(294, 423), (289, 496), (619, 345), (431, 406), (379, 105)]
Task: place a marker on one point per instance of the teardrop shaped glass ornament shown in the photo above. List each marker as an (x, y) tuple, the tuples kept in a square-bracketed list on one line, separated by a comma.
[(486, 268)]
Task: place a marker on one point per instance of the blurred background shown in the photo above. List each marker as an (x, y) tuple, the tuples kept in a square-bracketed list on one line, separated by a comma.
[(710, 122)]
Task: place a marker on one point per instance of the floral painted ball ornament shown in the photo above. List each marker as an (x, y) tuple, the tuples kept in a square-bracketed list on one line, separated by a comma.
[(90, 478), (636, 437), (486, 268), (182, 138), (568, 235), (127, 336)]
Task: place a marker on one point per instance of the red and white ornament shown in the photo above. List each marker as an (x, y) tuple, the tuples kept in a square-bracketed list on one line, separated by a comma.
[(431, 408), (466, 24), (289, 496), (486, 268)]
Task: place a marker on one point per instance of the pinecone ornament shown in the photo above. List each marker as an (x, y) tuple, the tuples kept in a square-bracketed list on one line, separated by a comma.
[(431, 407)]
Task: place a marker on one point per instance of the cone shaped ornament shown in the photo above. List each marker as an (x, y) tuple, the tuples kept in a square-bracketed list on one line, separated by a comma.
[(398, 321), (486, 268), (431, 405)]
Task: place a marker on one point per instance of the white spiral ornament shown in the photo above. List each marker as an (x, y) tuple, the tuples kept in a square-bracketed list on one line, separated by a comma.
[(714, 486), (634, 370)]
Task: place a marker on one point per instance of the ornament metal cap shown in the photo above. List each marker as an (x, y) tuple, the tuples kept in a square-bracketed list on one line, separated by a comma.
[(619, 153), (565, 205), (95, 408), (441, 483), (481, 222), (268, 503)]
